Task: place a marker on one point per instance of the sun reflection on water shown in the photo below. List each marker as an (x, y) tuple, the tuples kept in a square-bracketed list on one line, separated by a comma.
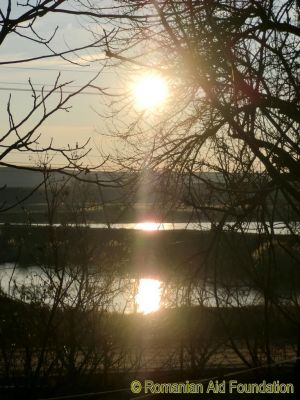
[(148, 297), (148, 226)]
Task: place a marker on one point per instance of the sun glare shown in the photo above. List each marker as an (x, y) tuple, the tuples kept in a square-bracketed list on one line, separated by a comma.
[(150, 91), (148, 226), (148, 296)]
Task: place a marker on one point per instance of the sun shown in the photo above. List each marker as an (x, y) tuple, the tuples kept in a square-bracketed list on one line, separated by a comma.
[(148, 296), (150, 91)]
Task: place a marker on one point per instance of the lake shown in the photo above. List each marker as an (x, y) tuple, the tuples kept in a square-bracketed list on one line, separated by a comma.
[(279, 227), (124, 294)]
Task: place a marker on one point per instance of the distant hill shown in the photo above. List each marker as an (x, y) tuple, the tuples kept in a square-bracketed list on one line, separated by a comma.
[(18, 178)]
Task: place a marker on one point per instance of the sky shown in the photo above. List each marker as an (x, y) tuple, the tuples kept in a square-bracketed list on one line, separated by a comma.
[(92, 116), (81, 122)]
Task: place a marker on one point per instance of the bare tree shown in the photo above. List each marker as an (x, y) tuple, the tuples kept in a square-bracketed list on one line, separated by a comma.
[(228, 136), (25, 22), (63, 320), (234, 103)]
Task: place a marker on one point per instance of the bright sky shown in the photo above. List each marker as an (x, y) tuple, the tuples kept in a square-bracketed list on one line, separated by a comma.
[(81, 122), (85, 119)]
